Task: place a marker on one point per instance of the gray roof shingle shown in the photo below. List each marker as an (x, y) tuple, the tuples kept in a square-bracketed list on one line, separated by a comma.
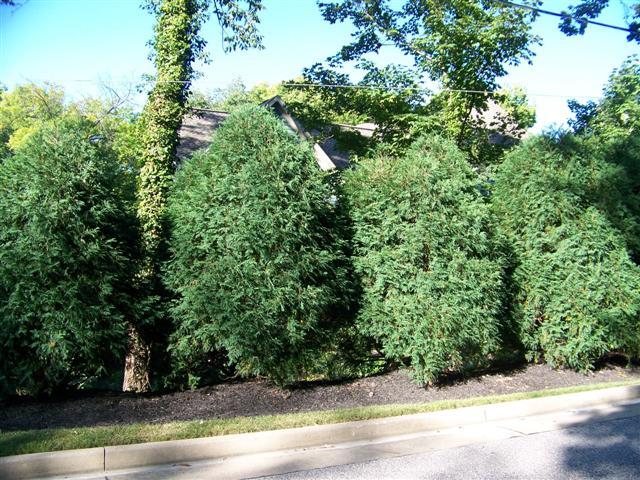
[(199, 124)]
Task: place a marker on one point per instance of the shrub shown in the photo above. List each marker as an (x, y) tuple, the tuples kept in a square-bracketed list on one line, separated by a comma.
[(256, 265), (430, 274), (564, 210), (65, 232), (618, 192)]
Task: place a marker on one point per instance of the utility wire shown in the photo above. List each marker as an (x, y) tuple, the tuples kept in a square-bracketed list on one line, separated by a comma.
[(338, 86), (426, 90), (563, 15)]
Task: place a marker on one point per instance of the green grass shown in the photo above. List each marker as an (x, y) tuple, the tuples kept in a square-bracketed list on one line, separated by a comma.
[(33, 441)]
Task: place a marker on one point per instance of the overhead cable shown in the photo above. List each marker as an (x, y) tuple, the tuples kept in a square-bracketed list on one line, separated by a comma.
[(563, 15), (328, 85), (426, 90)]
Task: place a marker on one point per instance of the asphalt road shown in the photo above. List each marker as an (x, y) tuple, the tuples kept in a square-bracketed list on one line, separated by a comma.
[(608, 449)]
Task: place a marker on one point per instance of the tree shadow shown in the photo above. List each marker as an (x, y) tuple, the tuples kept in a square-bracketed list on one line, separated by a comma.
[(461, 377), (606, 445)]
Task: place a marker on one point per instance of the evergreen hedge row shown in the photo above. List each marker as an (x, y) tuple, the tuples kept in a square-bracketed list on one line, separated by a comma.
[(271, 259)]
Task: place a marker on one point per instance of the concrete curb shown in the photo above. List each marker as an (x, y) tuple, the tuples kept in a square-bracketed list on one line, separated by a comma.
[(49, 464), (110, 459)]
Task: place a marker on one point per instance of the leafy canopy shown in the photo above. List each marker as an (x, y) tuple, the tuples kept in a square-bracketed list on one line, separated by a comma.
[(24, 109), (612, 127), (464, 44), (617, 116), (577, 18)]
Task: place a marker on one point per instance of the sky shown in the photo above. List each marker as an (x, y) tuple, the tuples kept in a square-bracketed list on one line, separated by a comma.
[(83, 44)]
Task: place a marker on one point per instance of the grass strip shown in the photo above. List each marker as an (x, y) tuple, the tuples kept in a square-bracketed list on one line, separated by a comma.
[(34, 441)]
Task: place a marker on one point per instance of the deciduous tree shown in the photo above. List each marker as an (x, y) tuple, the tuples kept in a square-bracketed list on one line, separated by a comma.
[(465, 45), (572, 23), (26, 108)]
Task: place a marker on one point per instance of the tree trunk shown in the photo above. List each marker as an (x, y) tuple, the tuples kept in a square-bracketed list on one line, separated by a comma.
[(177, 20), (463, 127), (136, 365)]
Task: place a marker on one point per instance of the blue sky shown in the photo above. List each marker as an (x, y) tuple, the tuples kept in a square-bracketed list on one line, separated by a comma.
[(80, 43)]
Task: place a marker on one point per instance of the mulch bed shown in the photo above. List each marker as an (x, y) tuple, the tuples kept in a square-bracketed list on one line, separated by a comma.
[(261, 397)]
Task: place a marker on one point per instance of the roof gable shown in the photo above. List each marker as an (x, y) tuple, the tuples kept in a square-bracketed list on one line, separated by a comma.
[(198, 126)]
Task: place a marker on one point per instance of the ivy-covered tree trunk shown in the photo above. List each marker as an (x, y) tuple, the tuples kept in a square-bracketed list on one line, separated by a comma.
[(176, 45), (175, 33)]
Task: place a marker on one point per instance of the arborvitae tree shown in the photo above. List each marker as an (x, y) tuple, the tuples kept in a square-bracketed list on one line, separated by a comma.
[(565, 212), (256, 265), (65, 229), (430, 273)]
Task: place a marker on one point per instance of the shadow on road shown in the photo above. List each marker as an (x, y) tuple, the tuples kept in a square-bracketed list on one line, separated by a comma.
[(606, 445)]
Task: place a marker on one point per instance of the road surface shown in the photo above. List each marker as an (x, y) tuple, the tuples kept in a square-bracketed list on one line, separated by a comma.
[(605, 450)]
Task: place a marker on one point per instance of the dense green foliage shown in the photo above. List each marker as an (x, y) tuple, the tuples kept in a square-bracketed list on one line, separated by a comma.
[(323, 99), (389, 98), (611, 129), (431, 276), (464, 45), (234, 95), (488, 135), (258, 269), (461, 43), (576, 20), (565, 211), (617, 116), (24, 109), (66, 230), (392, 102)]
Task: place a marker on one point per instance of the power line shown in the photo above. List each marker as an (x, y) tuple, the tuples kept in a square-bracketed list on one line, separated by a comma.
[(429, 91), (563, 15), (319, 85)]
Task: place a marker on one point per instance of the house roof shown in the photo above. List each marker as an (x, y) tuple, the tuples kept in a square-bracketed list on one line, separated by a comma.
[(199, 124), (365, 129), (197, 129), (500, 126)]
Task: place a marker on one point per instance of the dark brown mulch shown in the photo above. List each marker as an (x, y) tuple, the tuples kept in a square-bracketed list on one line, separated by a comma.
[(260, 397)]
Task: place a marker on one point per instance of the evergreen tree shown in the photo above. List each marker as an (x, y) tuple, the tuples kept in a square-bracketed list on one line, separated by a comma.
[(256, 265), (564, 210), (430, 273), (65, 229)]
